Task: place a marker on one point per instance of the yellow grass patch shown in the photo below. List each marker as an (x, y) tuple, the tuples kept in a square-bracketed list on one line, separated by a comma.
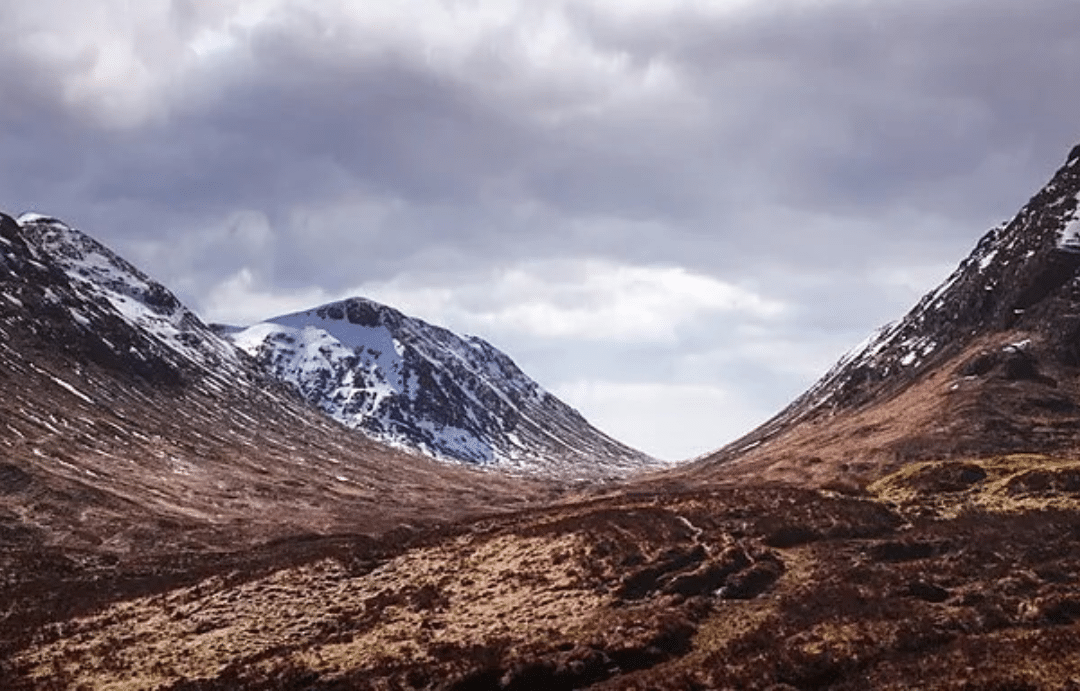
[(1011, 483)]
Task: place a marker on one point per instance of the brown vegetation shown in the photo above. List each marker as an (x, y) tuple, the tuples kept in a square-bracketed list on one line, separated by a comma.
[(928, 582)]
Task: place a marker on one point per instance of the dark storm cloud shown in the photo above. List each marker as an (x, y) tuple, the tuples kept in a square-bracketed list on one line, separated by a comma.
[(844, 103), (851, 107), (834, 157)]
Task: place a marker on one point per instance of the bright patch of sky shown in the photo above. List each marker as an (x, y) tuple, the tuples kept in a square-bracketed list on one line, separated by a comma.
[(650, 415)]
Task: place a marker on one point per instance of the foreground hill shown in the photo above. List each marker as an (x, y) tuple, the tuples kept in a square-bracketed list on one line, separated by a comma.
[(408, 383), (987, 363)]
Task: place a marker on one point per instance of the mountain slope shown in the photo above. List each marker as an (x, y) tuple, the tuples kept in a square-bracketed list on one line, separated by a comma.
[(101, 277), (989, 362), (409, 383), (127, 426)]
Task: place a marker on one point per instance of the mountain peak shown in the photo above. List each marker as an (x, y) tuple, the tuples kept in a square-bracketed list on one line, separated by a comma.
[(104, 280), (35, 218), (988, 360), (1074, 156), (358, 310), (409, 383), (1017, 277)]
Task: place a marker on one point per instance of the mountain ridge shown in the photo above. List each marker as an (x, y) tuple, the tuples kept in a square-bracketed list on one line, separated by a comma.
[(469, 407)]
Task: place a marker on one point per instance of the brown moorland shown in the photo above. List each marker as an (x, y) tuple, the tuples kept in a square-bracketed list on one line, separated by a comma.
[(945, 575)]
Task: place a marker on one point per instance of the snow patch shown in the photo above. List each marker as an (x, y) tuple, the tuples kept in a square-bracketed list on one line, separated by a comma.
[(79, 317), (1069, 237), (32, 217), (349, 381), (1018, 347)]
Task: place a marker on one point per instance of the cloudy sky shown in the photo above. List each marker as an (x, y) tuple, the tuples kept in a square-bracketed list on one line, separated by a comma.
[(675, 214)]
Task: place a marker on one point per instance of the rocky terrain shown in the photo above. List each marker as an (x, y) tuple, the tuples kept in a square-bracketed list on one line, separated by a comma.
[(408, 383), (911, 522)]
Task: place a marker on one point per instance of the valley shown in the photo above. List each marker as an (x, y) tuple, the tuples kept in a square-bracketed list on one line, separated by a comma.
[(305, 512)]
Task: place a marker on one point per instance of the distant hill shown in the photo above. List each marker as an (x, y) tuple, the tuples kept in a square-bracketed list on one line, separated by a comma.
[(410, 384)]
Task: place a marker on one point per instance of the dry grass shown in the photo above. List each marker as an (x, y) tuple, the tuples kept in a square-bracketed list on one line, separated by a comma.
[(471, 591), (709, 588), (1013, 483)]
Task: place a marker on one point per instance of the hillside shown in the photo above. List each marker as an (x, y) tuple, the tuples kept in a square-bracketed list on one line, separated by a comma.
[(128, 425), (987, 363)]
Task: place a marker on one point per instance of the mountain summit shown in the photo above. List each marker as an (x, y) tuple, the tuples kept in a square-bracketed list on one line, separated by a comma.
[(989, 362), (411, 384), (104, 283)]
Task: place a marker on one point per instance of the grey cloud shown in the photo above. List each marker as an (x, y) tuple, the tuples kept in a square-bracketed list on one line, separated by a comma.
[(874, 103), (825, 143)]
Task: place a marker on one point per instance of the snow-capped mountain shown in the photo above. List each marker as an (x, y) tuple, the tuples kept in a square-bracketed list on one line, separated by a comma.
[(408, 383), (127, 424), (398, 380), (988, 360)]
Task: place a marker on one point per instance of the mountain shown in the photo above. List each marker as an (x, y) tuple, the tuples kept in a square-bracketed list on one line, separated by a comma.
[(163, 530), (408, 383), (987, 363), (127, 425)]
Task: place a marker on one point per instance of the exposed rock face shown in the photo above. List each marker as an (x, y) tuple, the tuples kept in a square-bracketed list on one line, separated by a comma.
[(988, 360), (406, 382)]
